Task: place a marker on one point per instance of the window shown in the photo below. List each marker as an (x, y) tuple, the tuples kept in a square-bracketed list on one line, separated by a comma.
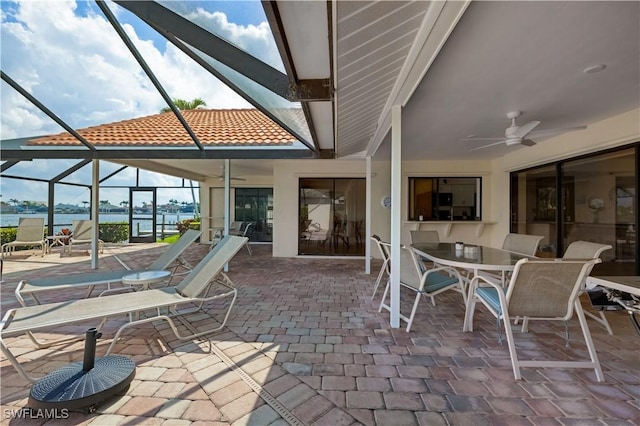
[(591, 198), (255, 205), (331, 216), (445, 198)]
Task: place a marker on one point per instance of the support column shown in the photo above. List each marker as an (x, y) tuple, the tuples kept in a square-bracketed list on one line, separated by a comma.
[(95, 204), (227, 200), (396, 188), (367, 219)]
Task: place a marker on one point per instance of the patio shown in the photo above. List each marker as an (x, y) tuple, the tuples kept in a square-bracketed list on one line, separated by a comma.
[(306, 345)]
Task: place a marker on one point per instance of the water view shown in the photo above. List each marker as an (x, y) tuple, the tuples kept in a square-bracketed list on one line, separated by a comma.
[(66, 220)]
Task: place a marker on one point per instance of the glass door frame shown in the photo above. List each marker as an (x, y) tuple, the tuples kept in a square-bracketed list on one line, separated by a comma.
[(147, 238)]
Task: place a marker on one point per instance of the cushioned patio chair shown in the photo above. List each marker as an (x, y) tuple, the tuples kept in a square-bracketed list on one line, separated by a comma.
[(30, 233), (193, 292), (384, 269), (170, 256), (537, 290), (414, 276), (83, 234), (580, 250)]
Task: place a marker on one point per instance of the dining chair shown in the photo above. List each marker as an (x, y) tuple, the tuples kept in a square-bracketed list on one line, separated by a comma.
[(517, 243), (414, 276), (424, 237), (384, 269), (538, 290), (589, 250), (522, 243), (241, 231)]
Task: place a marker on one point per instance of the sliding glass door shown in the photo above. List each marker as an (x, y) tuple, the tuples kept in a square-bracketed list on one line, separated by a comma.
[(331, 216), (592, 198)]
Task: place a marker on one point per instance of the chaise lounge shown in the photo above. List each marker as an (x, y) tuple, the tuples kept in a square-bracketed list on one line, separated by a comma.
[(194, 289), (37, 286)]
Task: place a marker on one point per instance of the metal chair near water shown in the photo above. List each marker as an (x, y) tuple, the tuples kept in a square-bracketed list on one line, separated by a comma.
[(30, 233)]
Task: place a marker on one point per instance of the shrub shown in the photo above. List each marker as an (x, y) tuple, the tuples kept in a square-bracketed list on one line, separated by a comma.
[(7, 235), (186, 224), (114, 232)]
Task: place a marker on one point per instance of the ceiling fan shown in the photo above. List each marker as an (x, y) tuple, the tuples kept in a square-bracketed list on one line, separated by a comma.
[(520, 135), (221, 175)]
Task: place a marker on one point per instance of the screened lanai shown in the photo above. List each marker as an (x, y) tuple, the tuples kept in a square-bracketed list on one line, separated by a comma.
[(136, 59)]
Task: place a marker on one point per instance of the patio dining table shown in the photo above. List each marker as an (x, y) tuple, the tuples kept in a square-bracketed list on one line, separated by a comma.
[(471, 258)]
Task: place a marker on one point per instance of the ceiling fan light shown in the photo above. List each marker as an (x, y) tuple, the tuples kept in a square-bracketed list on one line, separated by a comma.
[(512, 141)]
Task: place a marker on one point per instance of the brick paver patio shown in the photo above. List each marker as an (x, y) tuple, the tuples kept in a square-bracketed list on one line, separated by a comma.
[(305, 345)]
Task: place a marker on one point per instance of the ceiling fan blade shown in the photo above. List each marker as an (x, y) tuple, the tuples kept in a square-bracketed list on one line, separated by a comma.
[(482, 139), (524, 130), (553, 132), (487, 146), (527, 142)]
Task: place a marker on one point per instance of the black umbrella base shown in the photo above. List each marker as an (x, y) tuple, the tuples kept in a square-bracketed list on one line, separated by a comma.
[(73, 389)]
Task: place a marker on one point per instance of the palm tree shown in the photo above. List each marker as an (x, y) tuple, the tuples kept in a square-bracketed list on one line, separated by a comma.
[(173, 203), (85, 205), (105, 205), (124, 204), (183, 105)]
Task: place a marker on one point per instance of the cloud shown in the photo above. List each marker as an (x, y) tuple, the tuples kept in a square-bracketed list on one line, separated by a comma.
[(68, 56), (77, 66)]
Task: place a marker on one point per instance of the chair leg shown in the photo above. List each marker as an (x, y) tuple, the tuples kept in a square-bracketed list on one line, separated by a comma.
[(413, 310), (602, 319), (379, 279), (587, 338), (384, 296), (515, 364), (468, 313)]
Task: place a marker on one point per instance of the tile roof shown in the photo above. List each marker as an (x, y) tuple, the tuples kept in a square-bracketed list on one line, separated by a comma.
[(228, 127)]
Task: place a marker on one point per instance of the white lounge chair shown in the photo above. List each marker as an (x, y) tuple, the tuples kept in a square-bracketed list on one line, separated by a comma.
[(30, 233), (194, 289), (537, 290), (83, 234), (164, 261)]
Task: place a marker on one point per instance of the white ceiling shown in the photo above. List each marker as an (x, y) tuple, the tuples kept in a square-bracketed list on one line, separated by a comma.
[(457, 68), (497, 57)]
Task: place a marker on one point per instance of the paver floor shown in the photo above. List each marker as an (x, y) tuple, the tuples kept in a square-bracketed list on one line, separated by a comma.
[(305, 345)]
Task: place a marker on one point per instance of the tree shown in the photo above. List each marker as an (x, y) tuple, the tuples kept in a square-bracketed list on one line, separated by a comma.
[(183, 105), (105, 205), (86, 205), (15, 201), (173, 203), (124, 204)]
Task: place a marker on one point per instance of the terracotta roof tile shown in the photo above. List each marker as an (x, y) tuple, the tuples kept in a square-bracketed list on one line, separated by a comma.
[(213, 127)]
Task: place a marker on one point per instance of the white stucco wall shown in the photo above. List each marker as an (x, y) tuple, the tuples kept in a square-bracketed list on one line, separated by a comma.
[(613, 132)]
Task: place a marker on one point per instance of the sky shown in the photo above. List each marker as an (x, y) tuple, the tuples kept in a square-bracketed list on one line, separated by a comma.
[(68, 56)]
